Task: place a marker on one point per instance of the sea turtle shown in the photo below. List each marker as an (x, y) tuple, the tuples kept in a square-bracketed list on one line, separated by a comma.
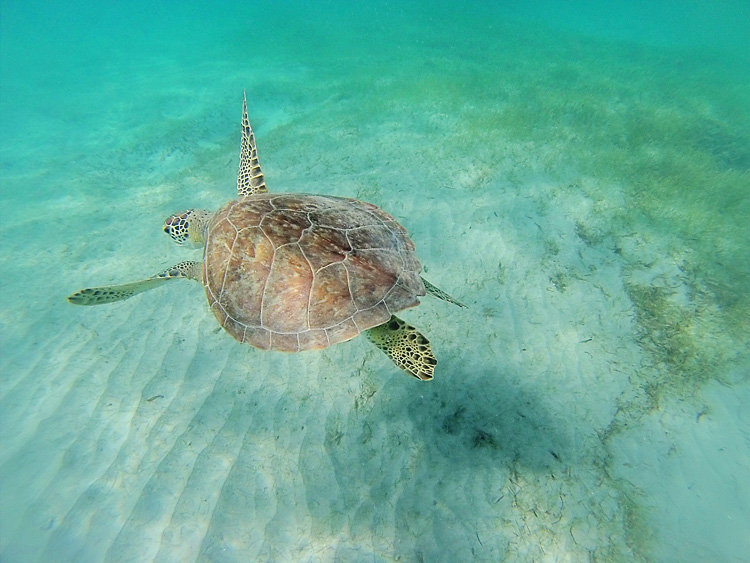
[(296, 272)]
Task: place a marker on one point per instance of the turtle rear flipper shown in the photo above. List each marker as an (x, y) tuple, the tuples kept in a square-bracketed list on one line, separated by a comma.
[(439, 293), (112, 293), (406, 346)]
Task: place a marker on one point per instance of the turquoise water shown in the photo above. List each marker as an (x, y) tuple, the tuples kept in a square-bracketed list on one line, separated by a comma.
[(578, 174)]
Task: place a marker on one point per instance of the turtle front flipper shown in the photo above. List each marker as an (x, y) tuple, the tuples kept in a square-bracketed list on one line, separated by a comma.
[(250, 180), (406, 346), (112, 293)]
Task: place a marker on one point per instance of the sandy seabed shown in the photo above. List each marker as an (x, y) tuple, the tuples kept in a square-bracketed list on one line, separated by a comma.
[(590, 404)]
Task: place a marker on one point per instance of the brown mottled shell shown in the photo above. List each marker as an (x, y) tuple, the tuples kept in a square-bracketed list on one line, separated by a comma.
[(297, 272)]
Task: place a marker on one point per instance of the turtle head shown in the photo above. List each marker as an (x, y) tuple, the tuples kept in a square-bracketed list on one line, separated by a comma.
[(188, 227)]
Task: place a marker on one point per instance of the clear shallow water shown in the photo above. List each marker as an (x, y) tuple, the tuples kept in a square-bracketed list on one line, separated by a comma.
[(578, 176)]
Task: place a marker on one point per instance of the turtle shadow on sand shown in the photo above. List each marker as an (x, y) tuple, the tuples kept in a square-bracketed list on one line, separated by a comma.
[(499, 424), (293, 272), (483, 419), (434, 467)]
